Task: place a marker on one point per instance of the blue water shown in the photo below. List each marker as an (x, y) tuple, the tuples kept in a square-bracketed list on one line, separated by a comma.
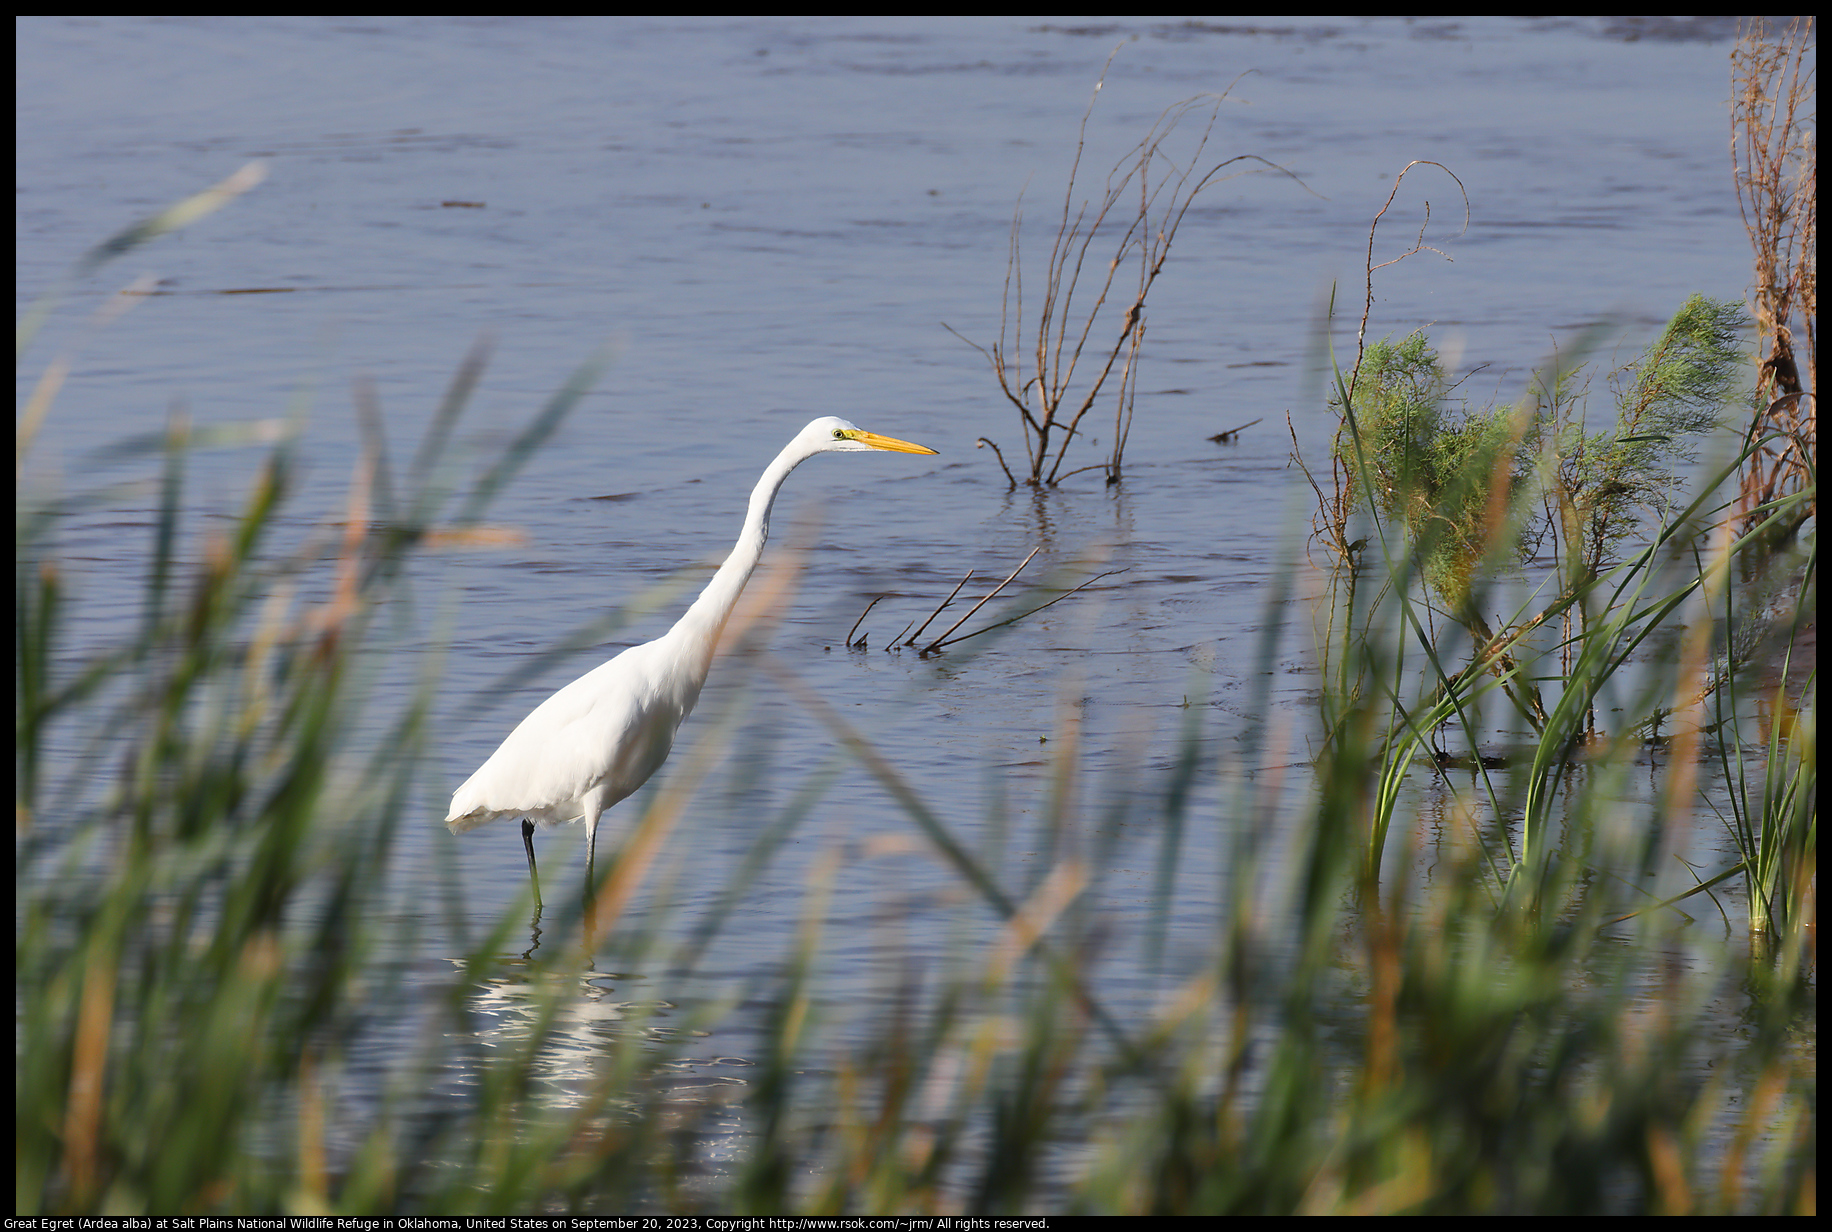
[(770, 220)]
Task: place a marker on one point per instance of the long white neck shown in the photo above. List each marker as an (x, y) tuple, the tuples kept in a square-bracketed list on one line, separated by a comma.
[(700, 627)]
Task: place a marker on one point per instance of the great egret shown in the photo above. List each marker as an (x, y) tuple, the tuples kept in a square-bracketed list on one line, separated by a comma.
[(602, 736)]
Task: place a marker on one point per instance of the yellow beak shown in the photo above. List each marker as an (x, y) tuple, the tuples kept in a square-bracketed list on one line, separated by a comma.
[(888, 442)]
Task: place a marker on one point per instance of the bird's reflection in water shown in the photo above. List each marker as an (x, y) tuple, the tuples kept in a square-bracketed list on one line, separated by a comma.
[(572, 1029)]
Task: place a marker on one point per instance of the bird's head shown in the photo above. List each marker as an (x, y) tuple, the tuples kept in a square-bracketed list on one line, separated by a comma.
[(831, 434)]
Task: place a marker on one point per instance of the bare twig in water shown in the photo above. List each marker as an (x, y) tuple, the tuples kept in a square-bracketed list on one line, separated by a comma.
[(942, 640), (995, 449), (1337, 518), (938, 611), (1227, 438), (860, 621), (1021, 615), (1331, 522), (1050, 401), (1419, 245), (948, 637)]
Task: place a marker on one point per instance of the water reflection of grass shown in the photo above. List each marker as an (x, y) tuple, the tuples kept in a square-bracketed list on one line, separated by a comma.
[(205, 840)]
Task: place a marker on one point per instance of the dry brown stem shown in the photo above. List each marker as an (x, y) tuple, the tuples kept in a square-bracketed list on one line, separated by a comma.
[(1334, 507), (950, 637), (1774, 154), (1418, 245), (1039, 363)]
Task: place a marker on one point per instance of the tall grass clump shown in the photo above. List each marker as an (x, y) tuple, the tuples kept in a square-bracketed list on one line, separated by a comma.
[(208, 801), (1536, 553), (1527, 1046)]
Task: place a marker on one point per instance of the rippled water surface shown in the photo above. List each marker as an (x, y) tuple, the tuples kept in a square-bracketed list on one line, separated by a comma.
[(772, 220)]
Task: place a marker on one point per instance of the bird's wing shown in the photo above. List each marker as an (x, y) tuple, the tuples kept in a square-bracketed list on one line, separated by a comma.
[(612, 727)]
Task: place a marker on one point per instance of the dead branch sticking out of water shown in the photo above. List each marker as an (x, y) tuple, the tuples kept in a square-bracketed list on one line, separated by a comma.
[(948, 638), (1051, 404), (1418, 245), (1227, 438), (1774, 156), (1334, 507)]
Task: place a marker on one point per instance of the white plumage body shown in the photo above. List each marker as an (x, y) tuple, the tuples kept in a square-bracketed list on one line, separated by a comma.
[(589, 737)]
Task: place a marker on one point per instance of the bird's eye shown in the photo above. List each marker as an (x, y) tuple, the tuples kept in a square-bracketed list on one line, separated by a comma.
[(839, 434)]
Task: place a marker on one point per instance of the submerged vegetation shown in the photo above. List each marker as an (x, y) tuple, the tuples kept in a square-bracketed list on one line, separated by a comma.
[(1450, 1001)]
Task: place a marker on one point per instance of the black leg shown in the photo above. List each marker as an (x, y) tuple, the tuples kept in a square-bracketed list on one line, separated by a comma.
[(591, 882), (591, 857), (528, 842)]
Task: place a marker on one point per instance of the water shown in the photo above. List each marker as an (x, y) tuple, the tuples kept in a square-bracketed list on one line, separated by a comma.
[(771, 220)]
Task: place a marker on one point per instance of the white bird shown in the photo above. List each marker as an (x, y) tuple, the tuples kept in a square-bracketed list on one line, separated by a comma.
[(602, 736)]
